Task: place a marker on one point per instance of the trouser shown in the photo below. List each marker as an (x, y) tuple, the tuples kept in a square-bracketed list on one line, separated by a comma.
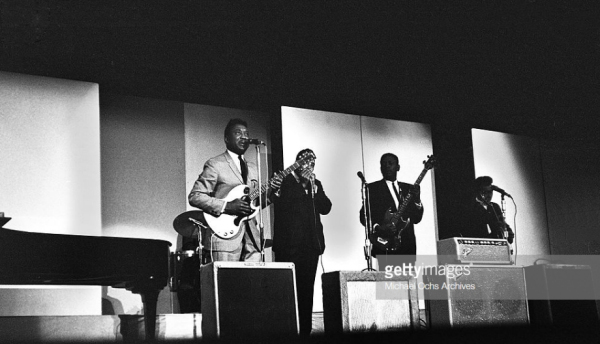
[(247, 251), (306, 269)]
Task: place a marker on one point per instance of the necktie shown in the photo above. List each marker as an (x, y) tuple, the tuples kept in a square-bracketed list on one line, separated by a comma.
[(398, 196), (244, 169)]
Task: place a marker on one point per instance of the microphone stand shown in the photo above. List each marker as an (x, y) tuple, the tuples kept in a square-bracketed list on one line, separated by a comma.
[(261, 224), (199, 250), (503, 208), (368, 225)]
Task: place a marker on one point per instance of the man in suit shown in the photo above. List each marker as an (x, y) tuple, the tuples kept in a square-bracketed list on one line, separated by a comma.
[(298, 235), (388, 193), (484, 218), (220, 175)]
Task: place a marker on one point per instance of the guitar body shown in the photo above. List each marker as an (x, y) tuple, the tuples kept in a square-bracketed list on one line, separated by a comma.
[(228, 226), (389, 241)]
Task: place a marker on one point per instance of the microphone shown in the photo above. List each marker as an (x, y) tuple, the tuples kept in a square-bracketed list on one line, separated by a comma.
[(361, 176), (256, 142), (312, 184), (502, 192)]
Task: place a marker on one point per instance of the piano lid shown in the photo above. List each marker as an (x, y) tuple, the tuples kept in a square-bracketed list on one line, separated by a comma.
[(41, 258)]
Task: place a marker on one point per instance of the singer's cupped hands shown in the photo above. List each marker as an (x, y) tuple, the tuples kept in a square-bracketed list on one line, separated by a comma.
[(307, 174)]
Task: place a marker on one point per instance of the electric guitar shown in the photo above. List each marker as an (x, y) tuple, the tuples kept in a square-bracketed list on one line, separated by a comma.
[(391, 241), (228, 226)]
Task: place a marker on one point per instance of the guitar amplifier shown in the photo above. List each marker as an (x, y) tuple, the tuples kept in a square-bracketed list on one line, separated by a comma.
[(247, 302), (473, 251)]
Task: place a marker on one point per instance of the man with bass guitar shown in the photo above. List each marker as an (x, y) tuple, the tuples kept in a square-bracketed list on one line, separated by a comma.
[(393, 234)]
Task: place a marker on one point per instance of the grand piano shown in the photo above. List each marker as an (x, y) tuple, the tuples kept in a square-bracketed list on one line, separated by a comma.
[(138, 265)]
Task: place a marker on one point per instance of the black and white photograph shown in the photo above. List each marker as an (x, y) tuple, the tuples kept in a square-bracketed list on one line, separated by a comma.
[(299, 171)]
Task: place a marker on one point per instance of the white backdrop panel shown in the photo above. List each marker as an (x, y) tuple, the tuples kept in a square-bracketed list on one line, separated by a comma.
[(514, 164), (50, 141)]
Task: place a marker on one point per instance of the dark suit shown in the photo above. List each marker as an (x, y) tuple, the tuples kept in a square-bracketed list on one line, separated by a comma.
[(298, 238), (219, 176), (381, 200), (478, 218)]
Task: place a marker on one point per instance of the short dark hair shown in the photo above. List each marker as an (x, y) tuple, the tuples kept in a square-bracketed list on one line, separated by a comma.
[(303, 151), (233, 122), (482, 182), (390, 155)]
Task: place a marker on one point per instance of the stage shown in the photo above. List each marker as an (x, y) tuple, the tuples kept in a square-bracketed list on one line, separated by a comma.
[(183, 328)]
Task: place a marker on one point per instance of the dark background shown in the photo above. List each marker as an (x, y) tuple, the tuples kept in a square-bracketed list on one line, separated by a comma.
[(526, 67)]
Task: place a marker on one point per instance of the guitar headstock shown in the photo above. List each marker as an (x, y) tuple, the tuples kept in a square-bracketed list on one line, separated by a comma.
[(430, 163), (306, 158)]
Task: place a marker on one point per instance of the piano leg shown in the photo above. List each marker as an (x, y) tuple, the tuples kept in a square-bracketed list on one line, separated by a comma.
[(150, 298)]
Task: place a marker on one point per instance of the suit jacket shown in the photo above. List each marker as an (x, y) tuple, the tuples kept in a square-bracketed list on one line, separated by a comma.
[(219, 176), (381, 200), (298, 227), (478, 219)]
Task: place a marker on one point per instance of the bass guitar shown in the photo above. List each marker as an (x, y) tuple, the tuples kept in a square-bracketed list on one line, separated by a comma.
[(390, 240), (228, 226)]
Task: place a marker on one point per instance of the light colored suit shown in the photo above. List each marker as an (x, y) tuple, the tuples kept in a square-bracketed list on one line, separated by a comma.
[(219, 176)]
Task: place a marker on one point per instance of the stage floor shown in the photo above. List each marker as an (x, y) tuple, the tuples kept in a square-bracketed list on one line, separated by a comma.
[(187, 328)]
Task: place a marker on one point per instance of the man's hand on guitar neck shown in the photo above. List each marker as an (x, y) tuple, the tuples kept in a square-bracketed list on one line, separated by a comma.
[(415, 191), (238, 207)]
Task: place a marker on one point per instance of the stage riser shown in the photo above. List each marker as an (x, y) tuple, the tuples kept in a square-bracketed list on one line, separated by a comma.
[(98, 328), (50, 301)]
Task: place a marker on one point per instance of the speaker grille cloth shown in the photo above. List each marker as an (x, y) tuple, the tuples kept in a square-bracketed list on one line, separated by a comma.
[(256, 301), (499, 297), (366, 313)]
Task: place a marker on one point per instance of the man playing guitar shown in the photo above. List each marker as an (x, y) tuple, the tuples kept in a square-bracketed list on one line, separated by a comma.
[(220, 175), (386, 196)]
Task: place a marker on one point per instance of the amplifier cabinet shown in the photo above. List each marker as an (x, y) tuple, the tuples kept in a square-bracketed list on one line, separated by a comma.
[(353, 303), (486, 296), (473, 251), (247, 301), (562, 295)]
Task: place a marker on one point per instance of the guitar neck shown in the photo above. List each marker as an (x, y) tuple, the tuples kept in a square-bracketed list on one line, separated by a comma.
[(265, 186), (407, 199)]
